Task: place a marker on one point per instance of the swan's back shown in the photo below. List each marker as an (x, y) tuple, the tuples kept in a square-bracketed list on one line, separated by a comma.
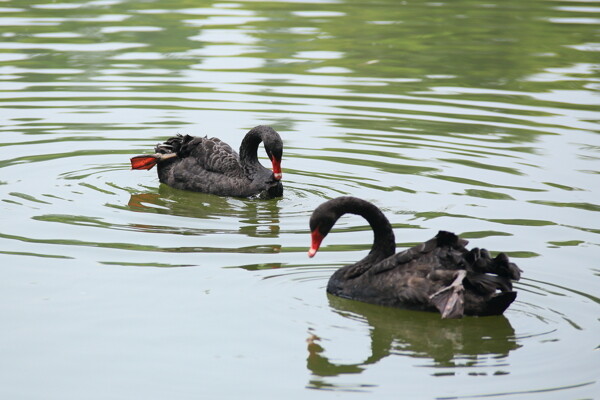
[(421, 277), (210, 154)]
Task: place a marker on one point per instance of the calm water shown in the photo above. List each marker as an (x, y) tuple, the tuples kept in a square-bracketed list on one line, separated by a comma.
[(480, 117)]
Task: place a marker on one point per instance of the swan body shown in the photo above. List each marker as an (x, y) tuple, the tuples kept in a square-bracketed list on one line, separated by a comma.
[(440, 274), (210, 165)]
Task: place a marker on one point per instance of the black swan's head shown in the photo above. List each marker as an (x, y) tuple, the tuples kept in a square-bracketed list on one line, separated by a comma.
[(274, 148), (321, 222), (326, 215)]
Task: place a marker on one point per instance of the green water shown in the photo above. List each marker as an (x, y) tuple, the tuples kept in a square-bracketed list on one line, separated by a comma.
[(479, 117)]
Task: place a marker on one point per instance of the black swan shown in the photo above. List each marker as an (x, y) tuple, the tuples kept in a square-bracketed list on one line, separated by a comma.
[(437, 275), (210, 165)]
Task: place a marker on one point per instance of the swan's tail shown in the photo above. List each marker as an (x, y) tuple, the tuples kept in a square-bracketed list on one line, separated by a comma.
[(499, 303), (489, 278), (163, 151), (499, 270), (487, 274), (175, 144), (480, 261), (492, 277)]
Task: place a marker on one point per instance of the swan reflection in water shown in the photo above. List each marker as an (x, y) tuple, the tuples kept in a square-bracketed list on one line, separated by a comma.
[(249, 217), (467, 342)]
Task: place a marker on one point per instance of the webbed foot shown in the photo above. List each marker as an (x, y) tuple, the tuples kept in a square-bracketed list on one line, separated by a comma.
[(450, 300)]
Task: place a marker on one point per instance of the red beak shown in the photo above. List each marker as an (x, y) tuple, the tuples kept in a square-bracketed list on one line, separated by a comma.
[(316, 239), (276, 168)]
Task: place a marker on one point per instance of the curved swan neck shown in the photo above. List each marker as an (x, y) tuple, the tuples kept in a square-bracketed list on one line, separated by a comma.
[(384, 241), (249, 146)]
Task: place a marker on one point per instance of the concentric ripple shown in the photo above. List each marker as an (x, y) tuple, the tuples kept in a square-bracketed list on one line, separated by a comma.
[(479, 118)]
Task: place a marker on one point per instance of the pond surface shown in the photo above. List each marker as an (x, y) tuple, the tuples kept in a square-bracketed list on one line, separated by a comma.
[(479, 117)]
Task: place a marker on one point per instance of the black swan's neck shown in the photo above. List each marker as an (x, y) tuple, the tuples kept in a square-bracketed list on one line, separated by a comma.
[(384, 241), (250, 143), (249, 147)]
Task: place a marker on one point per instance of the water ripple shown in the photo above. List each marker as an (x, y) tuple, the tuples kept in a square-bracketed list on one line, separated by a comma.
[(445, 117)]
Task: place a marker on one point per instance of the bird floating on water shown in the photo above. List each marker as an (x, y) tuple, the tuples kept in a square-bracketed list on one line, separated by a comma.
[(437, 275), (210, 165)]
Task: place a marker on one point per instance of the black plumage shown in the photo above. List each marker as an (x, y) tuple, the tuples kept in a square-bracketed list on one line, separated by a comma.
[(210, 165), (440, 274)]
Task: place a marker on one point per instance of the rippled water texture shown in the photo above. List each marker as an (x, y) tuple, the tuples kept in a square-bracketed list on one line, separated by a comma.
[(480, 117)]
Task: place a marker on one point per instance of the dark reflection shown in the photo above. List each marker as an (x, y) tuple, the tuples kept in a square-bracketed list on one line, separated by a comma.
[(257, 218), (466, 342), (258, 267)]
